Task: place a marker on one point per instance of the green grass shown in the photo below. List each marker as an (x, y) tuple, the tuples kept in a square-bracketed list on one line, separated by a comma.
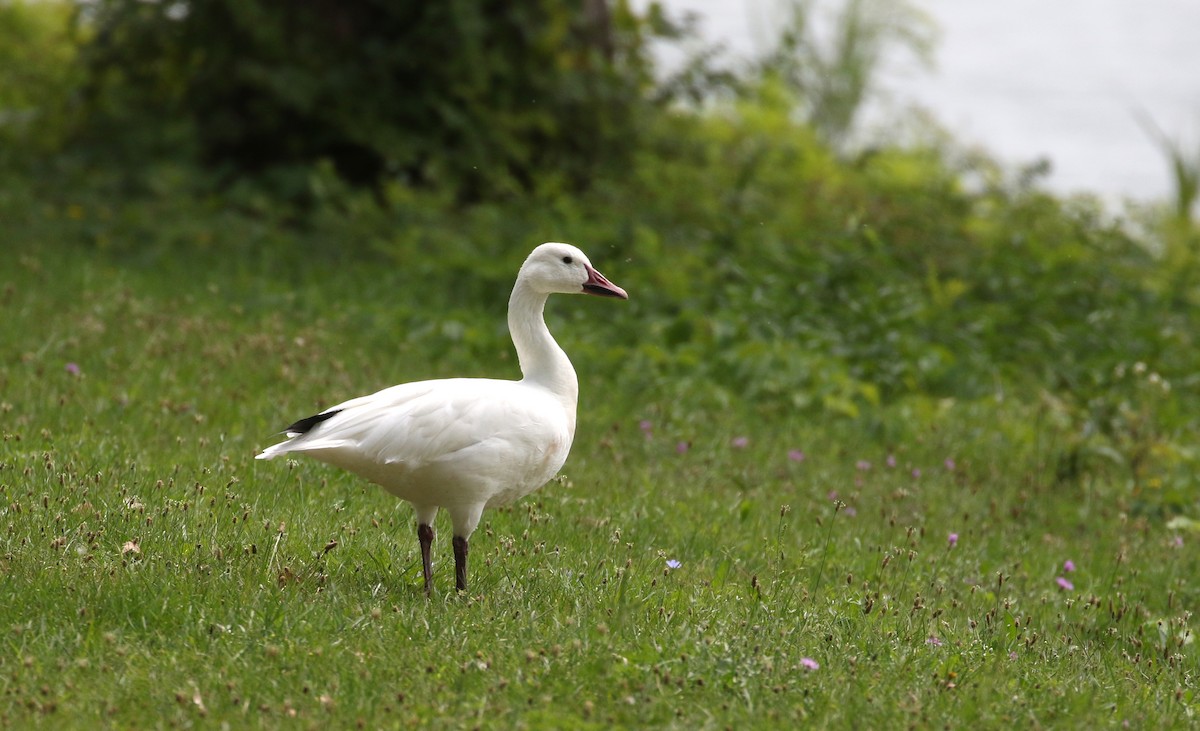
[(153, 575), (954, 351)]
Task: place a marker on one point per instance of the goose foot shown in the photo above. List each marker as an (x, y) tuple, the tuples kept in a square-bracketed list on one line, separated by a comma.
[(425, 536), (460, 563)]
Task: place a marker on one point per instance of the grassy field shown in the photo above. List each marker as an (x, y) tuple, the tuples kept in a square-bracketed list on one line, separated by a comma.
[(884, 438), (918, 566)]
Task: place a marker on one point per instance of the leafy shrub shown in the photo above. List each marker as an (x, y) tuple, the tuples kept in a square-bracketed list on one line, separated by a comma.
[(482, 98), (833, 70), (36, 75)]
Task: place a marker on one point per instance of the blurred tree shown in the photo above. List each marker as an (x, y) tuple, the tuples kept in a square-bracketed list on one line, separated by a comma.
[(36, 65), (482, 96)]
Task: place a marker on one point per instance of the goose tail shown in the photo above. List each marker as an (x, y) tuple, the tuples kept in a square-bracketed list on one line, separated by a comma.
[(299, 428)]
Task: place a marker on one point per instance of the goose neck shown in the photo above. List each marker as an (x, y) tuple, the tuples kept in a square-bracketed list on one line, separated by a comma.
[(542, 360)]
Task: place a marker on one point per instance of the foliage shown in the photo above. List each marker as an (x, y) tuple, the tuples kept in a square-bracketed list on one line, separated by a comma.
[(1173, 226), (36, 75), (485, 98), (833, 67), (1185, 170)]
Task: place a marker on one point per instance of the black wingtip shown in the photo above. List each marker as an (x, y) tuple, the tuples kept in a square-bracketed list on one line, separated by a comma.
[(305, 425)]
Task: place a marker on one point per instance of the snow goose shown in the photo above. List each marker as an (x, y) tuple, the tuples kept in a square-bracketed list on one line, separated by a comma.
[(465, 444)]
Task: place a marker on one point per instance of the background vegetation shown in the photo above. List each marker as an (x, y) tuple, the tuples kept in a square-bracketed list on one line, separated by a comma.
[(900, 421)]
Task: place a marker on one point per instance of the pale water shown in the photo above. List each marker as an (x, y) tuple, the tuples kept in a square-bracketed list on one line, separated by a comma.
[(1026, 79)]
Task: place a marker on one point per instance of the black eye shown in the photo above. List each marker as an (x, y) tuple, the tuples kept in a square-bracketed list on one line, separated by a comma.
[(568, 260)]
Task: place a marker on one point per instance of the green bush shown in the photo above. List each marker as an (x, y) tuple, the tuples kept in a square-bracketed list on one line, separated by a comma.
[(482, 98), (37, 75)]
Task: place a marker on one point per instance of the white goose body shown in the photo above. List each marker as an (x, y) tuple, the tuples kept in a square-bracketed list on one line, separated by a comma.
[(465, 444), (454, 443)]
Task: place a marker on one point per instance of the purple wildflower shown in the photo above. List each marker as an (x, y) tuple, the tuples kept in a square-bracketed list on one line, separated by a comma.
[(950, 464), (1068, 565), (849, 511), (73, 369), (916, 473), (647, 427), (1064, 584), (1177, 542), (795, 455), (934, 641), (862, 465), (952, 539), (682, 447), (740, 442), (891, 460), (673, 564), (809, 664)]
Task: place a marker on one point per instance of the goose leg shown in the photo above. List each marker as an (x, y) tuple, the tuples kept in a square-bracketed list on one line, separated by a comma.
[(460, 563), (425, 536), (465, 519)]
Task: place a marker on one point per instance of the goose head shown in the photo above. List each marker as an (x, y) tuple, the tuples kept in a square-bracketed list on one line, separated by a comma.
[(555, 268)]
